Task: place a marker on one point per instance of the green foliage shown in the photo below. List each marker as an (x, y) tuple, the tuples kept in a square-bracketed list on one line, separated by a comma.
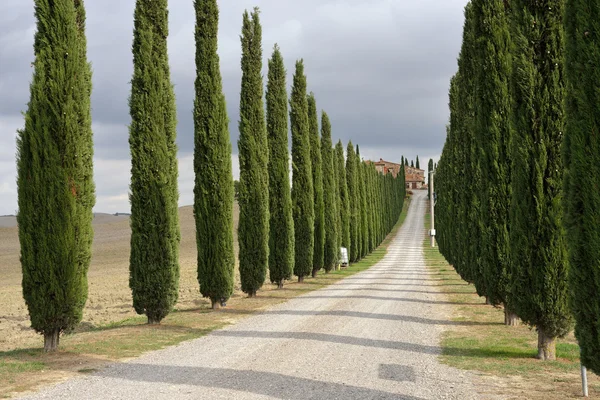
[(317, 172), (213, 191), (493, 128), (155, 237), (539, 273), (417, 163), (343, 193), (253, 230), (54, 167), (330, 252), (429, 169), (457, 211), (362, 205), (353, 196), (302, 178), (582, 159), (281, 224)]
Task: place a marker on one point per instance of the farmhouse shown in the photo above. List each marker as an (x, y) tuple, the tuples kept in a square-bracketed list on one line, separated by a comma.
[(414, 178), (385, 167)]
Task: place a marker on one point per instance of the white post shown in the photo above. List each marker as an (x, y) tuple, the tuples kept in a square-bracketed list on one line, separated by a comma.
[(584, 383), (432, 208)]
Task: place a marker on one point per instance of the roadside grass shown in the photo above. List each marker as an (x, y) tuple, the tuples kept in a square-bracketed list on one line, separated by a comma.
[(504, 355), (92, 347)]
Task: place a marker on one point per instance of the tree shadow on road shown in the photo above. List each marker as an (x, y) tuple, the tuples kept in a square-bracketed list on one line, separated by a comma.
[(401, 299), (388, 317), (257, 382)]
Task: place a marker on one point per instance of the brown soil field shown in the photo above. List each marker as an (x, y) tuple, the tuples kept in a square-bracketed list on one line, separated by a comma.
[(109, 297)]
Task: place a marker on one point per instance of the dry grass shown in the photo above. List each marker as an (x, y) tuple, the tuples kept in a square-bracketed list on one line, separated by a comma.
[(503, 355), (111, 331)]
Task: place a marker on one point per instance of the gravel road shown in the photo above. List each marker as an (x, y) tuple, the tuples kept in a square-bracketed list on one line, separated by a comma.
[(371, 336)]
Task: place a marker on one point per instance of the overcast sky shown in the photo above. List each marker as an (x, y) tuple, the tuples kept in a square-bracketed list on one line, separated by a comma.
[(380, 68)]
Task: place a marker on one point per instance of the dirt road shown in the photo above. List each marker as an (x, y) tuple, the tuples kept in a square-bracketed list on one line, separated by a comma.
[(371, 336)]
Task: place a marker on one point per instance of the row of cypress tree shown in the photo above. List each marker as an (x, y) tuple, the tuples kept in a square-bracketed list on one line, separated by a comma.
[(520, 164), (334, 201)]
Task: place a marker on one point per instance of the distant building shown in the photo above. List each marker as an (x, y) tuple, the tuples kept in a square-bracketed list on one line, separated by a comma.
[(385, 167), (414, 177)]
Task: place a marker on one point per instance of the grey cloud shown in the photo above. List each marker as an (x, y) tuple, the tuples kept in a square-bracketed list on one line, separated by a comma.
[(380, 69)]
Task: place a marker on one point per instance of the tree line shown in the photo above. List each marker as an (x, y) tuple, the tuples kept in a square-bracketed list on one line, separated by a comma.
[(334, 200), (517, 181)]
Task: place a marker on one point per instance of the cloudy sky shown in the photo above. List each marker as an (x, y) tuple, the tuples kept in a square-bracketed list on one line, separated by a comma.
[(380, 68)]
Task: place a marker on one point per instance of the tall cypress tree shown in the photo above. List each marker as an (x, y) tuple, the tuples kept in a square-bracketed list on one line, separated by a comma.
[(582, 159), (429, 170), (539, 272), (370, 205), (362, 205), (281, 225), (54, 166), (213, 191), (417, 163), (344, 209), (330, 252), (412, 163), (155, 237), (317, 171), (353, 196), (302, 178), (337, 200), (493, 125), (253, 228)]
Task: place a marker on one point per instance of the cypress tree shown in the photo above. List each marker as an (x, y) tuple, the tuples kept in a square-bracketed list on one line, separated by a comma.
[(371, 210), (429, 170), (364, 221), (412, 163), (253, 228), (493, 125), (317, 172), (582, 159), (353, 196), (54, 167), (281, 224), (344, 199), (330, 252), (539, 272), (417, 163), (213, 191), (155, 237), (338, 205), (302, 178)]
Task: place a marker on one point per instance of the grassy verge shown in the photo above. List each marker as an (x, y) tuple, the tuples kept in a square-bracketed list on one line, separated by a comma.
[(92, 347), (504, 355)]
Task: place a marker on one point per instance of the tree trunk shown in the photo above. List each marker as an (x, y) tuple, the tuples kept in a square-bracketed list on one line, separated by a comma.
[(546, 346), (252, 294), (215, 304), (510, 318), (153, 321), (314, 273), (487, 301), (280, 284), (300, 279), (51, 340), (327, 271)]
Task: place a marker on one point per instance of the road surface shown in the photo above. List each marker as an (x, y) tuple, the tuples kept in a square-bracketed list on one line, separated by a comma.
[(374, 335)]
